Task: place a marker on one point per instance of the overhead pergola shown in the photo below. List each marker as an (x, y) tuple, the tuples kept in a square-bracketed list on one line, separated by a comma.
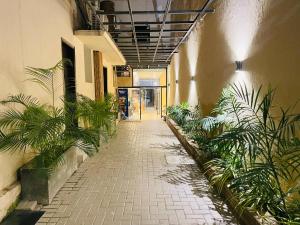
[(163, 42)]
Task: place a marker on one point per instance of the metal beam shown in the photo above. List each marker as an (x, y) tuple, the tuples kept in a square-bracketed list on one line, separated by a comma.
[(151, 37), (150, 51), (148, 61), (142, 44), (144, 54), (130, 42), (149, 22), (170, 48), (147, 46), (199, 15), (168, 6), (148, 31), (148, 56), (172, 12), (149, 67), (133, 29), (146, 64), (147, 52)]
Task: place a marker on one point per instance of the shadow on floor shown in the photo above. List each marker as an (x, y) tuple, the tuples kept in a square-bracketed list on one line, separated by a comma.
[(192, 176), (174, 148), (23, 218)]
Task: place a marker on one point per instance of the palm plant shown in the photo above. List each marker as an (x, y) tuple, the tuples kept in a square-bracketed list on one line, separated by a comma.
[(46, 78), (41, 127), (179, 113), (192, 120), (97, 115), (258, 151)]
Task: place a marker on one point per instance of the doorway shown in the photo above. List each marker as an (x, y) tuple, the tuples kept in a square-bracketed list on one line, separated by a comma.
[(151, 103), (105, 86), (68, 53)]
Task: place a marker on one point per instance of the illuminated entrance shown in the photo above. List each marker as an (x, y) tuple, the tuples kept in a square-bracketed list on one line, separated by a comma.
[(142, 103)]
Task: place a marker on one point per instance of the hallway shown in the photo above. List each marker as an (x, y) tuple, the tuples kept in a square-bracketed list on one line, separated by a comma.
[(142, 176)]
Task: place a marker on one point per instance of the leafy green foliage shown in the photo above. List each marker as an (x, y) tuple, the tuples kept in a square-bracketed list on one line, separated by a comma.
[(48, 130), (46, 77), (98, 115), (255, 149), (41, 128), (179, 113)]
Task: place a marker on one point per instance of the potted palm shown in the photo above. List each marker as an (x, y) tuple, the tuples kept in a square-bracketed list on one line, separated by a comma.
[(49, 133)]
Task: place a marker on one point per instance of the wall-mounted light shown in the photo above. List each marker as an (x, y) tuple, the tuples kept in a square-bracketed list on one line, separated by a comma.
[(169, 84), (176, 81), (193, 78), (239, 66)]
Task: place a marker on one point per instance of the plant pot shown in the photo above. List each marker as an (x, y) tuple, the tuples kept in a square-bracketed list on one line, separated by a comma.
[(37, 184)]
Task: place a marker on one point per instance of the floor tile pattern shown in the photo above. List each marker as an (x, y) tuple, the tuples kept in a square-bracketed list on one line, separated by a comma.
[(142, 176)]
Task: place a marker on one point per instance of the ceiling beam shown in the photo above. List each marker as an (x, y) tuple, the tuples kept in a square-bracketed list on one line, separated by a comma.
[(199, 15), (147, 49), (168, 6), (148, 46), (149, 22), (130, 42), (133, 29), (148, 31), (172, 12), (151, 37)]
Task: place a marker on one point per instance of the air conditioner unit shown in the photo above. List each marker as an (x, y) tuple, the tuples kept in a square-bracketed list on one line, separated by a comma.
[(142, 34)]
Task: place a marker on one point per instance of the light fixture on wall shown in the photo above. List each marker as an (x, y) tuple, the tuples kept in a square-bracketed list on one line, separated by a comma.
[(193, 78), (169, 84), (176, 81), (239, 66)]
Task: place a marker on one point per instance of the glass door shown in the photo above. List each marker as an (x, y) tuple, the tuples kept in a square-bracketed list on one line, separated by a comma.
[(146, 103), (150, 103), (134, 107)]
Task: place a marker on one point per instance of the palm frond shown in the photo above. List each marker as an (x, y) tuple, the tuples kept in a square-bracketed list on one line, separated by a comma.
[(21, 99)]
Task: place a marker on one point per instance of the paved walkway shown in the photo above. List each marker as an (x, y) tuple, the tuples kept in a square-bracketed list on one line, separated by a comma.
[(143, 176)]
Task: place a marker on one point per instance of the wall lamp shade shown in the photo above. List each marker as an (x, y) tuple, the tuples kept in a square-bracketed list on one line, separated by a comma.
[(239, 65)]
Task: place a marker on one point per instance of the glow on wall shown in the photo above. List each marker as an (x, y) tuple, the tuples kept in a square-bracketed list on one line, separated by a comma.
[(176, 64), (240, 23), (193, 96), (193, 53), (241, 20)]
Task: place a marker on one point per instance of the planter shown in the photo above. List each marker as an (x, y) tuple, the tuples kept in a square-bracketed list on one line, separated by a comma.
[(38, 185), (245, 217)]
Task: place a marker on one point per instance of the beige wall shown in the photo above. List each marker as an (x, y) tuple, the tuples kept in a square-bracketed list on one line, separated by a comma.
[(125, 81), (31, 34), (265, 35), (24, 41)]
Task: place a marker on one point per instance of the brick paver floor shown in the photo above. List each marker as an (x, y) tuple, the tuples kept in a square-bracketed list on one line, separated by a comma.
[(142, 176)]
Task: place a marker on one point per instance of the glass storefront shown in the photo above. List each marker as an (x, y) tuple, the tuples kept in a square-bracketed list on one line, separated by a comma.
[(144, 103)]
